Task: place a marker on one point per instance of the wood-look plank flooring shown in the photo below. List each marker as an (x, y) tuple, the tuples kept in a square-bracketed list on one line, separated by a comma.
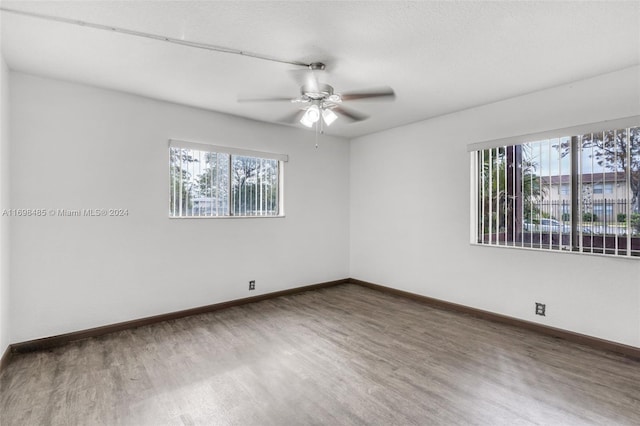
[(345, 355)]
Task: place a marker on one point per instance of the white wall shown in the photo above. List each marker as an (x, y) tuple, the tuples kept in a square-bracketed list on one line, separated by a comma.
[(410, 216), (4, 204), (81, 147)]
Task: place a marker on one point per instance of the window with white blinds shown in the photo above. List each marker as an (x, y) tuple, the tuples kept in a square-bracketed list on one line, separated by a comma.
[(214, 181), (575, 192)]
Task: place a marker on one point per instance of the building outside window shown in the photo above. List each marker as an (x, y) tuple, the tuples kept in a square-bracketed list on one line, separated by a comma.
[(579, 192)]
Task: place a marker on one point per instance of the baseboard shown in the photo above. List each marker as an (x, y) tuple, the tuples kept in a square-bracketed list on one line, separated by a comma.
[(594, 342), (6, 357), (62, 339)]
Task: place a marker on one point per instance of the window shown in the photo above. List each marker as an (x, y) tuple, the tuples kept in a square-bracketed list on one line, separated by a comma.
[(603, 188), (603, 211), (212, 181), (579, 192)]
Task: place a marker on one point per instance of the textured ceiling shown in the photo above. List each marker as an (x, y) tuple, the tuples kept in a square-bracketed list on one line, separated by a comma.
[(439, 57)]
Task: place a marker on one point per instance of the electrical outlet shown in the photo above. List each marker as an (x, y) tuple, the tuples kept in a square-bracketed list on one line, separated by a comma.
[(541, 309), (252, 285)]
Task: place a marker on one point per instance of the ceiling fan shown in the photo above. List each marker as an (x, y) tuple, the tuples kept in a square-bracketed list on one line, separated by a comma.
[(319, 100)]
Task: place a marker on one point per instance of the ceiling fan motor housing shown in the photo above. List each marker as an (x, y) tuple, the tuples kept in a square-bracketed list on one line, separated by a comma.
[(321, 92)]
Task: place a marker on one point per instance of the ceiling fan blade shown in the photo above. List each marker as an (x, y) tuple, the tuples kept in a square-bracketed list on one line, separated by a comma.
[(381, 92), (350, 114), (292, 118), (274, 99)]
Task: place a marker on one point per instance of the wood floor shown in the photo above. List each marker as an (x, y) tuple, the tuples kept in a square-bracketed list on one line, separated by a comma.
[(338, 356)]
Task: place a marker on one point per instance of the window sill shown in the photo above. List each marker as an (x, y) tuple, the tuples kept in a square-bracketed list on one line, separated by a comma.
[(554, 251), (225, 217)]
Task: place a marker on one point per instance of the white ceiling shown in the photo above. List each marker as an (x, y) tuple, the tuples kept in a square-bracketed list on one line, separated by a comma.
[(439, 57)]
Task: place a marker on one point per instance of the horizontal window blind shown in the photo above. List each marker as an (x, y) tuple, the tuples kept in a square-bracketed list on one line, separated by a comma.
[(199, 146), (619, 123)]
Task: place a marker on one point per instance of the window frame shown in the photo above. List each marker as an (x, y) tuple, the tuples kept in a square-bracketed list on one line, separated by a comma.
[(232, 152), (476, 149)]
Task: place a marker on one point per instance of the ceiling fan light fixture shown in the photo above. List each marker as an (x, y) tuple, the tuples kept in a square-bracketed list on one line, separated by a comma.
[(329, 116), (312, 114), (305, 121)]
